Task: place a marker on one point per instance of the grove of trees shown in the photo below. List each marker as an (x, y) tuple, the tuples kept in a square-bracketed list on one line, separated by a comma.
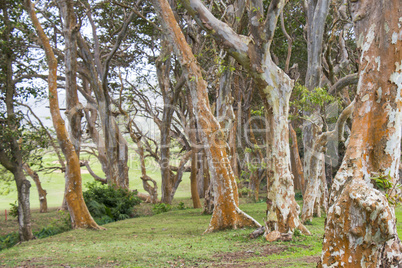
[(259, 99)]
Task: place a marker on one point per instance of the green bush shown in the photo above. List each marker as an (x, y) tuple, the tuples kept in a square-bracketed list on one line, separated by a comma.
[(9, 240), (161, 207), (107, 204), (181, 206)]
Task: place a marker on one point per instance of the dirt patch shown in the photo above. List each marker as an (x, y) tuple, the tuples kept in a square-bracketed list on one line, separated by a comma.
[(236, 259)]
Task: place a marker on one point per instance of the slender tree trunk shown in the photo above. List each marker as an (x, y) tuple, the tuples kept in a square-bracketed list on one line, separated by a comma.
[(317, 11), (79, 213), (361, 225), (226, 212), (41, 192), (297, 165), (194, 148), (24, 210)]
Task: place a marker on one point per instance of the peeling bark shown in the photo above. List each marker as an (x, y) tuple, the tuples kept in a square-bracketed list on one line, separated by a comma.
[(226, 212), (361, 225)]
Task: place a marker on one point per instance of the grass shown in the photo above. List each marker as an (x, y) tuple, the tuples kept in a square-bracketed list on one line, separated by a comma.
[(170, 239)]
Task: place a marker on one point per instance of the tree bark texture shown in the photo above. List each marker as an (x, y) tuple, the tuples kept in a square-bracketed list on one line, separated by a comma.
[(226, 212), (79, 213), (41, 192), (360, 229)]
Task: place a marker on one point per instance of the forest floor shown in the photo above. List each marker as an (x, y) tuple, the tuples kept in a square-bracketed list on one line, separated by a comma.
[(171, 239)]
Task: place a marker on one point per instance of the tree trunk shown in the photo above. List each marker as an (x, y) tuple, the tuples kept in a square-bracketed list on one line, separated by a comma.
[(361, 225), (41, 192), (24, 210), (282, 210), (11, 154), (226, 212), (79, 213), (297, 166), (317, 11), (315, 192), (194, 148)]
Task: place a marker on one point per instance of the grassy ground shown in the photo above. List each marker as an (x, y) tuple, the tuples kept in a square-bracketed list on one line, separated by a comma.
[(172, 239)]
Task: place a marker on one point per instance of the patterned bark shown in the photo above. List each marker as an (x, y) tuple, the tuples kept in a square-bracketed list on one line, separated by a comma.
[(360, 230)]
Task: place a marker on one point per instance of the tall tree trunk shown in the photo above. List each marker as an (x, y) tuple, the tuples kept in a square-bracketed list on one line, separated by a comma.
[(317, 11), (226, 212), (79, 213), (361, 225), (12, 160), (194, 148), (41, 192)]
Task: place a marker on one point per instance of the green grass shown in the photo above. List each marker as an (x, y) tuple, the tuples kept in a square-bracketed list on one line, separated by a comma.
[(165, 240)]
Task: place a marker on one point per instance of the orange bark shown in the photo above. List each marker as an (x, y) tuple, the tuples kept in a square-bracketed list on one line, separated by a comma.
[(361, 225), (226, 212), (79, 213)]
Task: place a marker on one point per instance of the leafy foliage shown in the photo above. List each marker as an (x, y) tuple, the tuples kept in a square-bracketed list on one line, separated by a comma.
[(107, 204), (13, 209), (161, 207), (392, 191)]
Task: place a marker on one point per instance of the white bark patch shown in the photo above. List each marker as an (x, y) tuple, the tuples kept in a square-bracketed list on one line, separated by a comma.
[(254, 21), (378, 61), (370, 38), (394, 38), (379, 94)]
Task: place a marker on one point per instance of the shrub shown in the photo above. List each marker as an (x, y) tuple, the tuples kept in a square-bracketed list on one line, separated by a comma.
[(9, 240), (107, 204), (181, 206), (160, 208)]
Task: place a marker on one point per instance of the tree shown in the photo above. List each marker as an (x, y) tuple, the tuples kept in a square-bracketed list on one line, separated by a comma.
[(79, 213), (275, 87), (361, 229), (226, 212), (11, 153)]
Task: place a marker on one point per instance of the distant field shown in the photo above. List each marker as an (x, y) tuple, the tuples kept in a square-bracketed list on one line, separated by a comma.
[(54, 183)]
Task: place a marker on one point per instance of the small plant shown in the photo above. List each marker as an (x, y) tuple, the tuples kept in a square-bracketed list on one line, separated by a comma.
[(392, 191), (108, 204), (13, 210), (161, 208), (181, 206), (297, 232)]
